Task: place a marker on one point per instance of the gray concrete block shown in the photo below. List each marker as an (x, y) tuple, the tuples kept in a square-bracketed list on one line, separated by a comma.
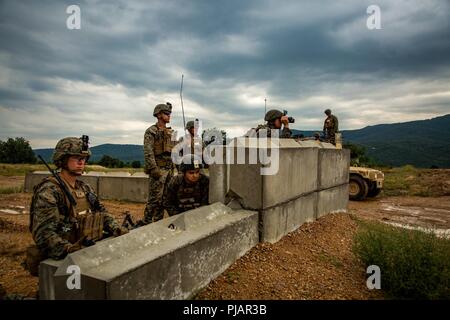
[(297, 174), (278, 221), (34, 178), (332, 200), (334, 166), (91, 180), (118, 174), (47, 270), (218, 182), (157, 262), (127, 188)]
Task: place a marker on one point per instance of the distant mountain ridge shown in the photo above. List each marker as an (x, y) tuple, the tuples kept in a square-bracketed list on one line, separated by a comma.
[(422, 143)]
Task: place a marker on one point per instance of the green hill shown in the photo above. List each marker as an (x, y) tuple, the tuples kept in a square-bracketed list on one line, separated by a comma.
[(422, 143)]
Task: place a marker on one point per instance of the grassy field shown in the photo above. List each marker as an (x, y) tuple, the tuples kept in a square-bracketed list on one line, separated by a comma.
[(413, 264), (9, 170), (408, 180)]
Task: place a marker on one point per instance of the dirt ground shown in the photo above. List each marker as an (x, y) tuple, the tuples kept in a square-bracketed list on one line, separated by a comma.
[(313, 262)]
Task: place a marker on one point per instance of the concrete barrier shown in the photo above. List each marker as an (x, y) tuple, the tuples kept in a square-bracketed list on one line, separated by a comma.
[(332, 200), (128, 188), (170, 259), (311, 181), (334, 166), (279, 220)]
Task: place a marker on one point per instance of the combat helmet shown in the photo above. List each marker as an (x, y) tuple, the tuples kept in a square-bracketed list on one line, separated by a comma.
[(273, 115), (162, 107), (70, 146), (190, 125), (191, 162), (327, 111)]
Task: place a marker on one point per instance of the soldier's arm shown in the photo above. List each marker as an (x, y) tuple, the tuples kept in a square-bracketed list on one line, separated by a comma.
[(286, 133), (336, 124), (149, 156), (46, 218), (170, 201)]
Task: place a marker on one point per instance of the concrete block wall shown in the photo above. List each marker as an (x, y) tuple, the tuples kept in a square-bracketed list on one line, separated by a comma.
[(110, 186), (170, 259), (312, 180)]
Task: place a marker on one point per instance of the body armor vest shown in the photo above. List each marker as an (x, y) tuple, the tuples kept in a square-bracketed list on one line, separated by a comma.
[(189, 197), (89, 224), (162, 146), (79, 221)]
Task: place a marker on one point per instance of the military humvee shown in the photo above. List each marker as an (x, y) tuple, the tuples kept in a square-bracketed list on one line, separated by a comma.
[(365, 182)]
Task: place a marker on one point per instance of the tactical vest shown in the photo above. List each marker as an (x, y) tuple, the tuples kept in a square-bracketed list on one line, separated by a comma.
[(79, 221), (189, 197), (162, 146)]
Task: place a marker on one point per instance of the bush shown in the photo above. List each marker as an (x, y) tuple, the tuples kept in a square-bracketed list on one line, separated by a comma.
[(16, 150), (136, 164), (413, 264), (110, 162)]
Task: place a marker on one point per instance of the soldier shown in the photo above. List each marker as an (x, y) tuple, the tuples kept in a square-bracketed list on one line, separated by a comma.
[(59, 227), (194, 142), (330, 127), (189, 189), (158, 146), (275, 120)]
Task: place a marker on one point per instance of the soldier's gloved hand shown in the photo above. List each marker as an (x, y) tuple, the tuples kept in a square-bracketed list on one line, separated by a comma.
[(155, 173), (120, 231), (285, 120), (75, 246)]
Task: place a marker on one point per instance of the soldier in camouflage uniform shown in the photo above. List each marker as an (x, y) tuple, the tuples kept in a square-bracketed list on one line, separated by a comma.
[(330, 127), (158, 146), (275, 119), (191, 143), (189, 189), (57, 226)]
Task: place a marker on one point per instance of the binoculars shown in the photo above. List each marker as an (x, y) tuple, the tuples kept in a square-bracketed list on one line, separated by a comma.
[(290, 119)]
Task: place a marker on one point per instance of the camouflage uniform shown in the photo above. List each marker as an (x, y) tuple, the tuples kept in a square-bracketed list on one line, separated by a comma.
[(284, 133), (330, 127), (56, 225), (158, 164), (182, 196), (271, 116)]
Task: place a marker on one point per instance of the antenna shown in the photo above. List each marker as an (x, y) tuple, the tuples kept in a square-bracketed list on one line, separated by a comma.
[(181, 98), (265, 106)]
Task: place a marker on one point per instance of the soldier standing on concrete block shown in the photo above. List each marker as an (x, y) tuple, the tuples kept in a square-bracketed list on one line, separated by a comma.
[(65, 213), (330, 127), (158, 146), (189, 189), (275, 119)]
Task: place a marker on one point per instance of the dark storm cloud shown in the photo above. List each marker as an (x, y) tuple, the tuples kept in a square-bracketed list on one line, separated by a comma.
[(303, 56)]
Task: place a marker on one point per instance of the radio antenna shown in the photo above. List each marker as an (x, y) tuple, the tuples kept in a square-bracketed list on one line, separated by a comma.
[(181, 98)]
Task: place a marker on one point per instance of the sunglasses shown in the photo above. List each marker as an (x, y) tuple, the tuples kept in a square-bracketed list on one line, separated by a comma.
[(167, 113)]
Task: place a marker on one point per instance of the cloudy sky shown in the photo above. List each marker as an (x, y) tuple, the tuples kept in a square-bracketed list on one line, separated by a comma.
[(105, 78)]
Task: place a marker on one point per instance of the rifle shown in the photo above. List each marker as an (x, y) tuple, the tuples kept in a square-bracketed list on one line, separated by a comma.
[(128, 221), (61, 183)]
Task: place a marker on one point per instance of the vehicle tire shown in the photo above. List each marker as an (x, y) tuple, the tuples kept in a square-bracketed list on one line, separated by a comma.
[(373, 192), (358, 188)]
